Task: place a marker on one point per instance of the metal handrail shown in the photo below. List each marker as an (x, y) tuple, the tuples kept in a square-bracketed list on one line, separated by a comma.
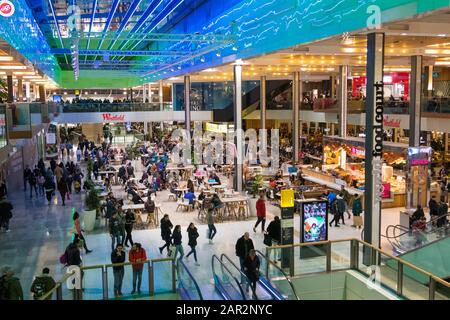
[(57, 285), (215, 257), (180, 262), (433, 279), (280, 270)]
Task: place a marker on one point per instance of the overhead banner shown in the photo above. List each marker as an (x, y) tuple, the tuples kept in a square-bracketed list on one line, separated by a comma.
[(18, 121), (51, 148)]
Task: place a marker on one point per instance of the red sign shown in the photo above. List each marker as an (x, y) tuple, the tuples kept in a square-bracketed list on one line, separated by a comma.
[(113, 117), (394, 123), (386, 191), (358, 152), (6, 8), (419, 162)]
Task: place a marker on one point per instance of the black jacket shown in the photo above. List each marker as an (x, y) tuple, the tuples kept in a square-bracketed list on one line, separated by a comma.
[(252, 268), (274, 230), (193, 235), (5, 210), (434, 207), (176, 237), (243, 247), (115, 258), (166, 228)]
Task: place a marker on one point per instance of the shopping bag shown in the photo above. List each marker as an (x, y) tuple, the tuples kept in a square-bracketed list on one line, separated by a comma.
[(358, 221)]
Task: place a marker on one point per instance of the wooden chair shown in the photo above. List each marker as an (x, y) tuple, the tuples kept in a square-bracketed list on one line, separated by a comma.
[(242, 210), (172, 196)]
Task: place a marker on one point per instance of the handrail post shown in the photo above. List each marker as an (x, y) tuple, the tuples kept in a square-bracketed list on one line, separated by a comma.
[(354, 254), (59, 292), (373, 258), (328, 253), (292, 261), (151, 279), (267, 261), (400, 279), (432, 289), (105, 282), (174, 277)]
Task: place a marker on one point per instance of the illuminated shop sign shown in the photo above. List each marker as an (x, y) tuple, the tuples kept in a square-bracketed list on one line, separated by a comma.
[(419, 156), (358, 152), (393, 123), (218, 128), (6, 8), (113, 117)]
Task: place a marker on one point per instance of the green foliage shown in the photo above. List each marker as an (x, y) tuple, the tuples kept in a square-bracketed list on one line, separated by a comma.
[(257, 183), (90, 167), (92, 200)]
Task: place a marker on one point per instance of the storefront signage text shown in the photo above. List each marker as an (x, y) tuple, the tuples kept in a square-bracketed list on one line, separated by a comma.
[(419, 162), (393, 123), (113, 117), (6, 8), (378, 126)]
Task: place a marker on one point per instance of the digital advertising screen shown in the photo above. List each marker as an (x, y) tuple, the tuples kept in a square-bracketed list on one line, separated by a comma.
[(315, 221), (419, 156)]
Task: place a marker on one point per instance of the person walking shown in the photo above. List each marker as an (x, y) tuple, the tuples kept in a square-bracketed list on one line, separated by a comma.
[(274, 231), (42, 284), (49, 187), (32, 180), (129, 221), (5, 213), (114, 230), (58, 172), (192, 235), (341, 206), (348, 200), (10, 287), (357, 211), (79, 231), (243, 247), (166, 234), (251, 270), (416, 216), (118, 256), (212, 231), (26, 174), (177, 237), (62, 188), (137, 257), (41, 181), (260, 212), (334, 211)]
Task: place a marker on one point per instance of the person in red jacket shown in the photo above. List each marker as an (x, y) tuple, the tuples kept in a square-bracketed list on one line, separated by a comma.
[(260, 212), (136, 255)]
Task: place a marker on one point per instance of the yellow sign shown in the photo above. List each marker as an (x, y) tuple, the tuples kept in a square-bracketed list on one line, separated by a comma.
[(287, 198), (218, 128)]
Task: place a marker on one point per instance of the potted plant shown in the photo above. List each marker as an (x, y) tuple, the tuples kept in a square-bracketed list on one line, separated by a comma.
[(92, 209), (90, 167)]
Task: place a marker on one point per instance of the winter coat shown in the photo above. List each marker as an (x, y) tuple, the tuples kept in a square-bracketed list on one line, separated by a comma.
[(115, 258), (274, 230), (357, 207), (5, 210), (134, 255), (41, 285), (252, 268), (13, 288), (193, 235), (73, 255), (243, 247), (166, 227), (176, 237)]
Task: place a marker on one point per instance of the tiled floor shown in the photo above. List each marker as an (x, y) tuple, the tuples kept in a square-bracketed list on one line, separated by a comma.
[(40, 233)]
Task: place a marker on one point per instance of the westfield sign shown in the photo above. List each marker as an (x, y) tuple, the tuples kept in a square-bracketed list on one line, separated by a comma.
[(393, 123), (113, 117)]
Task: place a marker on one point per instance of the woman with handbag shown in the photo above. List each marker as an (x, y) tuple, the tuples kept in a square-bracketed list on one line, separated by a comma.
[(79, 231), (357, 210)]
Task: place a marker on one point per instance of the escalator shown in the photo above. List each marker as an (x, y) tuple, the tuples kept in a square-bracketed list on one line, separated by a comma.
[(251, 100), (264, 289), (225, 282), (188, 287)]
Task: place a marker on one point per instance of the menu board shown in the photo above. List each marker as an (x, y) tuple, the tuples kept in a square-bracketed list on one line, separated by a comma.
[(419, 156), (314, 222)]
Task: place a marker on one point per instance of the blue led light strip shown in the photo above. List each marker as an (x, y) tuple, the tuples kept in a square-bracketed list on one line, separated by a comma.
[(57, 27), (90, 26)]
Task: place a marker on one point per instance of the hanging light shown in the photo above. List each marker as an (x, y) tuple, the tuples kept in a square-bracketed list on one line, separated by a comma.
[(218, 54), (202, 59)]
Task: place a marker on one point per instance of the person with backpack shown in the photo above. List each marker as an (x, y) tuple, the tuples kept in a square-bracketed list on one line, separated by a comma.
[(5, 213), (49, 188), (192, 235), (335, 212), (166, 234), (10, 287), (42, 284), (32, 180), (118, 256), (137, 256)]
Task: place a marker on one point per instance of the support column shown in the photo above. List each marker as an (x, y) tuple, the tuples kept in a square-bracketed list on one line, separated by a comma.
[(374, 139), (27, 91), (187, 104), (333, 86), (429, 78), (19, 89), (144, 92), (342, 100), (41, 93), (415, 101), (238, 139), (131, 94), (9, 83), (262, 117), (161, 96), (296, 88)]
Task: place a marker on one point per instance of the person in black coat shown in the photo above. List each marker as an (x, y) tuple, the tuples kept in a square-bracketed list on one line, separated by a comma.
[(443, 211), (274, 231), (434, 208), (251, 270), (417, 215), (243, 247), (193, 235), (166, 233), (176, 237), (118, 256)]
